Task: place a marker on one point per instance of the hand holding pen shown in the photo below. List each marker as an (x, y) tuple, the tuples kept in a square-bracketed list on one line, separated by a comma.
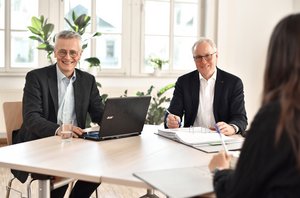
[(173, 121), (222, 139), (222, 159)]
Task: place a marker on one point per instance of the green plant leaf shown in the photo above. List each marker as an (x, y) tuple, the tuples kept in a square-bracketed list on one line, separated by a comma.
[(49, 48), (97, 34), (140, 93), (34, 30), (84, 46), (82, 22), (48, 29), (42, 18), (36, 38), (93, 61), (36, 23), (165, 88), (71, 25), (42, 46), (149, 91), (98, 84), (74, 15)]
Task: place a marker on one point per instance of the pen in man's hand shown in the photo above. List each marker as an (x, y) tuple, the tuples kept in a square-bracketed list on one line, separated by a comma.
[(222, 140), (173, 115)]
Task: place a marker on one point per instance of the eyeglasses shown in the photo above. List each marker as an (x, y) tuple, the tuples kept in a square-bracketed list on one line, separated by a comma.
[(72, 53), (207, 57)]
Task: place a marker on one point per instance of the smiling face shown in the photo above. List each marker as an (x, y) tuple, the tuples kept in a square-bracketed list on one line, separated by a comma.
[(67, 53), (205, 57)]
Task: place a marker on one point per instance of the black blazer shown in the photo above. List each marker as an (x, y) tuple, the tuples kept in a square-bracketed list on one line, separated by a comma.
[(40, 103), (265, 169), (228, 104)]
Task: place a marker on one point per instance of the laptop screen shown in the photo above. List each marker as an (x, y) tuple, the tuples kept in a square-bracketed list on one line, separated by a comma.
[(122, 117)]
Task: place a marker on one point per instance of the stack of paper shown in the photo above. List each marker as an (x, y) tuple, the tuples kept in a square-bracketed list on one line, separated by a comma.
[(195, 136)]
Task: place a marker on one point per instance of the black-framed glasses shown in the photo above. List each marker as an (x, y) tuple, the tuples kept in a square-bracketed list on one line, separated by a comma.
[(72, 53), (207, 57)]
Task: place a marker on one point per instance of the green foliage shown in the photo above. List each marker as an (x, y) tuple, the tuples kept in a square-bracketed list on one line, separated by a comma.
[(42, 31), (157, 62), (156, 109), (79, 25), (93, 61), (103, 97)]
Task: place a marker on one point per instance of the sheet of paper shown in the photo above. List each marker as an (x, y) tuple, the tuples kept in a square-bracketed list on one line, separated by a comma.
[(197, 136), (94, 128), (194, 138)]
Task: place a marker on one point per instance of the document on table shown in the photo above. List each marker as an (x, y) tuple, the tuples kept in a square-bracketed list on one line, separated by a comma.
[(185, 182), (201, 138)]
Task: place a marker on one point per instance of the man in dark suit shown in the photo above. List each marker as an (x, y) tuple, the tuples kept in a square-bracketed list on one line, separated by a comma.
[(56, 94), (208, 95)]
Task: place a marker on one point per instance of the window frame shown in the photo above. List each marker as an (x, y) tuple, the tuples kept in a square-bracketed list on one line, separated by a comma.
[(132, 36)]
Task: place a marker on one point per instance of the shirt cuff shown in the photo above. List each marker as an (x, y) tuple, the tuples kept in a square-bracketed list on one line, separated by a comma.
[(236, 128), (57, 131)]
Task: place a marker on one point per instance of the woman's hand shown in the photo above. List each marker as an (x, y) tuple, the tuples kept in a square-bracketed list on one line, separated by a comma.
[(220, 161)]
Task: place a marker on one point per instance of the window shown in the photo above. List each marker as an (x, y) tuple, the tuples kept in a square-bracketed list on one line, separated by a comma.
[(170, 39), (132, 32), (20, 51), (164, 29), (2, 6), (107, 19)]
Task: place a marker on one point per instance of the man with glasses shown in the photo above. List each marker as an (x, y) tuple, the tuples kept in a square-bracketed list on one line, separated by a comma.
[(57, 94), (208, 95)]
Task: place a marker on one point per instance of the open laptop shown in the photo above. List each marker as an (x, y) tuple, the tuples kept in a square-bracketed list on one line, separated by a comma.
[(122, 117)]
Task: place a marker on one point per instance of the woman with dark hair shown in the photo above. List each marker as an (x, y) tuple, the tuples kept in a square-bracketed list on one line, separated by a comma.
[(269, 163)]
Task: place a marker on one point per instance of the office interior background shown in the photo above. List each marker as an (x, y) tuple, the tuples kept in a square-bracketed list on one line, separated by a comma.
[(135, 30)]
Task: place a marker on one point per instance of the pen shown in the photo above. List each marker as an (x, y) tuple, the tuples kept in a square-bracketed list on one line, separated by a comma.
[(222, 140), (173, 115)]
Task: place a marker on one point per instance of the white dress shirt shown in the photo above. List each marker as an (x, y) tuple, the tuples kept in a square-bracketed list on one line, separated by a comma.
[(205, 116), (66, 102)]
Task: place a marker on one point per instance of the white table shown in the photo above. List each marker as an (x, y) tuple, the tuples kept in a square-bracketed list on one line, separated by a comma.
[(110, 161)]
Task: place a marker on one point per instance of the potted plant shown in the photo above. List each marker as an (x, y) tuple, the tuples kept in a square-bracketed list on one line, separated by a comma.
[(42, 31), (156, 111), (79, 25), (157, 64)]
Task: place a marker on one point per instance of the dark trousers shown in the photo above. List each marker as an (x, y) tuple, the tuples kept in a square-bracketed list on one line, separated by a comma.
[(81, 189)]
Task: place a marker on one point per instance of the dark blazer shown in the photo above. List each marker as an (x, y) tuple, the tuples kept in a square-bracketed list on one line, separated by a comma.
[(264, 169), (228, 104), (40, 104)]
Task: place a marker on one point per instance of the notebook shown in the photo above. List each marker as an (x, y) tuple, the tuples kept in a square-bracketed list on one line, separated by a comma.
[(179, 182), (122, 117)]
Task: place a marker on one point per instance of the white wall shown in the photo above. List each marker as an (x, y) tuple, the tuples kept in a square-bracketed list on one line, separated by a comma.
[(244, 30)]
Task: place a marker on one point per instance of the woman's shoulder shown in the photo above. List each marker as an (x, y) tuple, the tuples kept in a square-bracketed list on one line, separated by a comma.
[(272, 108), (266, 119)]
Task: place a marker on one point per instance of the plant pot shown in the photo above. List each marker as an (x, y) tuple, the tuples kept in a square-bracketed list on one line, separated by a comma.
[(94, 70), (156, 72)]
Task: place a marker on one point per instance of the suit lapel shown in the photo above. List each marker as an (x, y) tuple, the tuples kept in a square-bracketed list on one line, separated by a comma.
[(79, 94), (219, 87), (52, 81), (195, 86)]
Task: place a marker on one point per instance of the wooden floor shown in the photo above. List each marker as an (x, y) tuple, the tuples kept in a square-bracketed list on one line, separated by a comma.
[(104, 190), (3, 142)]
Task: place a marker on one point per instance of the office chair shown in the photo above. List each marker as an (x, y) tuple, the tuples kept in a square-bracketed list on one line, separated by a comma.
[(13, 120)]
